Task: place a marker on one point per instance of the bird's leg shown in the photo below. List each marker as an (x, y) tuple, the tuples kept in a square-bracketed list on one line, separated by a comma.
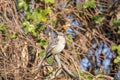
[(58, 71)]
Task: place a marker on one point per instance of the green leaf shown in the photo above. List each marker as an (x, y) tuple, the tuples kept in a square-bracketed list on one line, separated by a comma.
[(116, 23), (42, 53), (27, 1), (22, 4), (49, 1), (117, 60), (47, 10), (82, 73), (3, 29), (39, 16), (50, 60), (35, 16), (118, 32), (26, 23), (43, 18), (100, 79), (30, 28), (54, 22), (40, 27), (89, 78), (26, 6), (35, 33), (69, 36), (42, 42), (118, 52), (89, 3), (13, 36), (98, 18), (114, 47), (118, 49)]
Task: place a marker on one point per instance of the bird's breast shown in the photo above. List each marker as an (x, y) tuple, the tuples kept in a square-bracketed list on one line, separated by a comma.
[(59, 46)]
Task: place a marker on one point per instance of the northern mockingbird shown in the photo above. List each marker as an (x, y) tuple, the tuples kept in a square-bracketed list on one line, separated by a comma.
[(55, 46)]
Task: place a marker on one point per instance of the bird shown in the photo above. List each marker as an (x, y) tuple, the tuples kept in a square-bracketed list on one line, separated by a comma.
[(55, 46)]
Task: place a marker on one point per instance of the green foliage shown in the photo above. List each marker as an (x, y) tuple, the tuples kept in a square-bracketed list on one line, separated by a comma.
[(49, 1), (42, 53), (3, 29), (30, 28), (118, 31), (42, 42), (39, 15), (89, 78), (100, 79), (82, 73), (98, 19), (117, 60), (116, 23), (40, 27), (69, 36), (54, 22), (13, 36), (36, 17), (118, 50), (100, 71), (115, 47), (89, 3), (23, 4), (50, 60)]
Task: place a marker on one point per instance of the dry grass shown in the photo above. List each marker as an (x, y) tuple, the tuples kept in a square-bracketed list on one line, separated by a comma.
[(18, 57)]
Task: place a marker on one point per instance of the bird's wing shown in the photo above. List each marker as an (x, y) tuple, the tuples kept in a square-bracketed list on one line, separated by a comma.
[(48, 53), (51, 46)]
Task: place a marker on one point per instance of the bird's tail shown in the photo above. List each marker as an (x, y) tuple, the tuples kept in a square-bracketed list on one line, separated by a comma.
[(39, 64)]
